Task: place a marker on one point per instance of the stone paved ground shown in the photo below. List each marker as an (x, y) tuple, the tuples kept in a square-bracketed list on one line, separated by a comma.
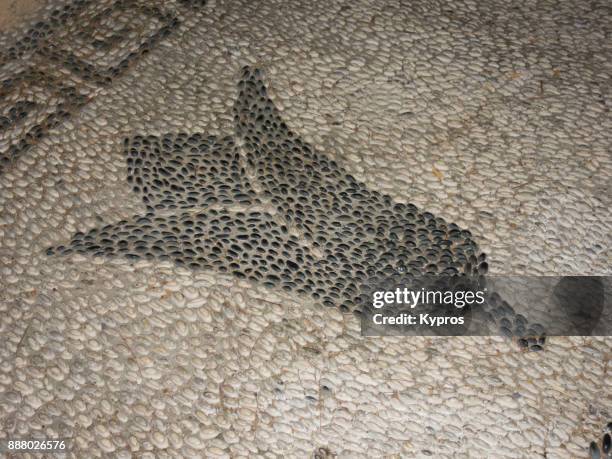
[(13, 13), (493, 115)]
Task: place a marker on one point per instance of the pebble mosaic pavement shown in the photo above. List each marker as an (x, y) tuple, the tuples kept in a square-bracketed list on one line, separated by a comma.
[(491, 116)]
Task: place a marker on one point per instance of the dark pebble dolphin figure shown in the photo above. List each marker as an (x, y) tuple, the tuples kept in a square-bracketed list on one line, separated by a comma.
[(326, 235)]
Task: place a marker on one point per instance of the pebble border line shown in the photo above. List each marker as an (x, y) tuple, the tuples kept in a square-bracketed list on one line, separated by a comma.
[(61, 64)]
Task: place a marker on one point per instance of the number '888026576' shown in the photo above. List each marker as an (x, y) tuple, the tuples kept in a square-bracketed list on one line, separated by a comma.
[(35, 445)]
